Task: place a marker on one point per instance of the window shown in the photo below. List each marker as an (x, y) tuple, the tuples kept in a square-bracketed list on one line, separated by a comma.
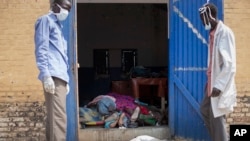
[(129, 59), (101, 61)]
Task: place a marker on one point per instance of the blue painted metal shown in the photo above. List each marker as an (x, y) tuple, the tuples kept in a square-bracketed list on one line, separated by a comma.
[(187, 68), (70, 32)]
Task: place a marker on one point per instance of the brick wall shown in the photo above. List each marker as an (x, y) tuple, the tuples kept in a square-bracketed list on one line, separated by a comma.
[(21, 97), (241, 113), (237, 17), (22, 121), (18, 74)]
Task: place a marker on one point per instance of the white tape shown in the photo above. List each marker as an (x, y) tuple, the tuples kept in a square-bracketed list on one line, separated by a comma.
[(190, 26)]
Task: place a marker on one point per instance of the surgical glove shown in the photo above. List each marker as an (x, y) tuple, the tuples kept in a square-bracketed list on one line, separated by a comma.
[(67, 87), (49, 85)]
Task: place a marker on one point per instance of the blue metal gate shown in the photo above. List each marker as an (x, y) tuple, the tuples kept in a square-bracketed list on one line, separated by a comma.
[(70, 32), (187, 68)]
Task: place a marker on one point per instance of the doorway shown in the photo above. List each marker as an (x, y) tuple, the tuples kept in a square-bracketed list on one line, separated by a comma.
[(110, 32)]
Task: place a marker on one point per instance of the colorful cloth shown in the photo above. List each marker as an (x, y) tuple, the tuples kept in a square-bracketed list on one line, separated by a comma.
[(94, 123), (123, 101), (89, 114), (98, 98), (106, 106)]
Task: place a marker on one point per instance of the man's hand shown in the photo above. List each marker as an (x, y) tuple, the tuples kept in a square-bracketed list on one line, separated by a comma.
[(49, 85), (216, 92)]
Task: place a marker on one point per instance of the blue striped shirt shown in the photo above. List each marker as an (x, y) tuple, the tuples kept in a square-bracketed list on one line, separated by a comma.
[(50, 48)]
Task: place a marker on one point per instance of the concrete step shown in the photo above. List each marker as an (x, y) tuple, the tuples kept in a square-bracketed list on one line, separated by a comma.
[(116, 134)]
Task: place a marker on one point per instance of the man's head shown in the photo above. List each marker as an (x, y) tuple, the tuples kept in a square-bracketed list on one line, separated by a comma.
[(65, 4), (61, 9), (208, 15)]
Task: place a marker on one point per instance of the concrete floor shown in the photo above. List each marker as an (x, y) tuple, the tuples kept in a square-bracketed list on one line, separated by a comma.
[(116, 134)]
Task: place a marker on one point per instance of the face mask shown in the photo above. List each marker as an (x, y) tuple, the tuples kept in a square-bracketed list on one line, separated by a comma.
[(63, 14), (207, 25)]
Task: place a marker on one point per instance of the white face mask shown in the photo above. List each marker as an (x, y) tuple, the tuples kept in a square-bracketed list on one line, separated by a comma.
[(207, 25), (63, 14)]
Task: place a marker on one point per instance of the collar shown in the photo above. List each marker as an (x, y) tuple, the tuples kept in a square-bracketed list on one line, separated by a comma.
[(218, 27), (213, 31), (54, 18)]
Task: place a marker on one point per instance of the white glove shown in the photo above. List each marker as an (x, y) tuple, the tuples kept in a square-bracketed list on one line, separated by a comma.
[(49, 85), (67, 87)]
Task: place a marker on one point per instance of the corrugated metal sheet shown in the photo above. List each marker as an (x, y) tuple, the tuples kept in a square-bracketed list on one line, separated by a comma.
[(70, 32), (187, 68)]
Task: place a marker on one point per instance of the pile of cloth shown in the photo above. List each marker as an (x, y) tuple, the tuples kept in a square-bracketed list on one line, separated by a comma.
[(116, 110)]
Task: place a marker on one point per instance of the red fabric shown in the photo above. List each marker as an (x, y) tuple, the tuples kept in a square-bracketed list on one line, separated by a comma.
[(144, 110), (209, 69)]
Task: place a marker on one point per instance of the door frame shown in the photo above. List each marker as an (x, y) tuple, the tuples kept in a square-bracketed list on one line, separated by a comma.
[(73, 96)]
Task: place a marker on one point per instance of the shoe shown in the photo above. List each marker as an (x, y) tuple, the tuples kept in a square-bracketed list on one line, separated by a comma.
[(132, 125), (122, 127)]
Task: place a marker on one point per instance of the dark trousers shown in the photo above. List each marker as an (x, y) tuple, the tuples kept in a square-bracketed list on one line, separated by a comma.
[(216, 126)]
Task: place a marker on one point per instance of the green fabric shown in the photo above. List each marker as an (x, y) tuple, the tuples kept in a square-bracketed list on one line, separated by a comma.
[(148, 119)]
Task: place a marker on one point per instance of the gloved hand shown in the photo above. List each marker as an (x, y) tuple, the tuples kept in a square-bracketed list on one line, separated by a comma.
[(68, 89), (49, 85), (216, 92)]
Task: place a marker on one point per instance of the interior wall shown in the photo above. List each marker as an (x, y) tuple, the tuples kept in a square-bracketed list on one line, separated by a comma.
[(123, 26), (116, 27)]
